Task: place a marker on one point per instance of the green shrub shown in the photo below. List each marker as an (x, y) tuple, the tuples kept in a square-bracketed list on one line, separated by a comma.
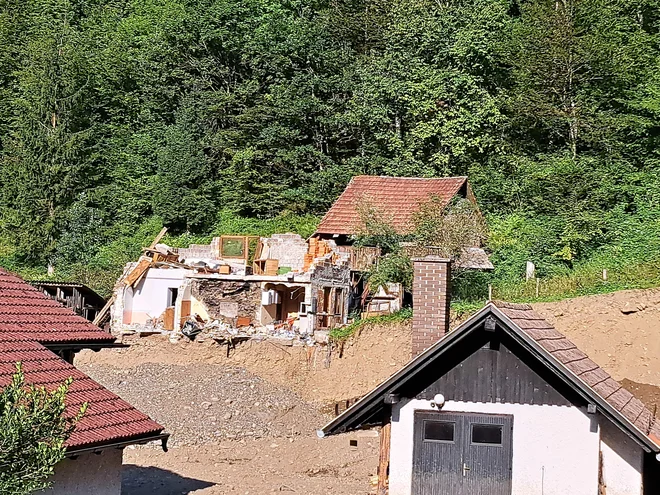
[(33, 429), (341, 334)]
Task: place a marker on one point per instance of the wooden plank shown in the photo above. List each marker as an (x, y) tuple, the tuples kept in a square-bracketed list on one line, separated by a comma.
[(158, 238), (101, 315), (168, 318), (384, 459), (142, 266), (271, 267)]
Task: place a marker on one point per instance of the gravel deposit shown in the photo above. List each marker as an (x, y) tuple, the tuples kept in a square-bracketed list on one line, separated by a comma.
[(202, 403)]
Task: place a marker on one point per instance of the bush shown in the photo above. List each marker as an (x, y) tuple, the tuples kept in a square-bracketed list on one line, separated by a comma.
[(33, 430)]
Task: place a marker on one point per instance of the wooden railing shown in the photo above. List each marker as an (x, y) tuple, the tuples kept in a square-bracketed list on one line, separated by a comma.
[(362, 258)]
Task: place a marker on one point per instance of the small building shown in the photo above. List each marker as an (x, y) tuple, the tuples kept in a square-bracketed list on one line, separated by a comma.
[(503, 405), (397, 199), (80, 298), (44, 336)]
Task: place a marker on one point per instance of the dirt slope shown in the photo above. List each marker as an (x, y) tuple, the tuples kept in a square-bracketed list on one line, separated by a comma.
[(367, 360), (619, 331)]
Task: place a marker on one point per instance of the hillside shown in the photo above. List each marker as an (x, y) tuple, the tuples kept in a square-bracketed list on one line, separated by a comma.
[(249, 116)]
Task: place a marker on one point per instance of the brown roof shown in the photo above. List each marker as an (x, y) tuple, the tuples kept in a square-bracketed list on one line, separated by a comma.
[(578, 363), (396, 198), (27, 314), (108, 418)]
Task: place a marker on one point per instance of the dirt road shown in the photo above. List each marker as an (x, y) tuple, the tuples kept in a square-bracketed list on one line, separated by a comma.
[(306, 465), (232, 432)]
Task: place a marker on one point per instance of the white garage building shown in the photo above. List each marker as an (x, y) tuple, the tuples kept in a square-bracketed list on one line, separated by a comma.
[(506, 405)]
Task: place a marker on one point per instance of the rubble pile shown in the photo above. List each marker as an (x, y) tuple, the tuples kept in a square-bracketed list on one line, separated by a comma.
[(235, 288), (202, 403)]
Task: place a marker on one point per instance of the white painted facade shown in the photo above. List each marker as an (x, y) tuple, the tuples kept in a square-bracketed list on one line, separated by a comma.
[(556, 449), (97, 474), (149, 298)]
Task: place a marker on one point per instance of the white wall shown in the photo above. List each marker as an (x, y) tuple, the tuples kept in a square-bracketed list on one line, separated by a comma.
[(149, 298), (623, 461), (555, 448), (88, 474)]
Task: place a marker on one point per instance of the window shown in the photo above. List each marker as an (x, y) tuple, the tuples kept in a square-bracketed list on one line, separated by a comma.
[(233, 247), (487, 434), (172, 294), (439, 431)]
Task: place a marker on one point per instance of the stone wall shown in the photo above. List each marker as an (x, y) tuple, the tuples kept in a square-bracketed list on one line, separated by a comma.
[(288, 249), (227, 300)]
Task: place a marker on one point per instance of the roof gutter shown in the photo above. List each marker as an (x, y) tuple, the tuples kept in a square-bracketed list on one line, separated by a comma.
[(78, 346), (163, 437)]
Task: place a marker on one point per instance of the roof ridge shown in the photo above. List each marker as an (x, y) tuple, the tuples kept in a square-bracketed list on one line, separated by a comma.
[(510, 305), (452, 177)]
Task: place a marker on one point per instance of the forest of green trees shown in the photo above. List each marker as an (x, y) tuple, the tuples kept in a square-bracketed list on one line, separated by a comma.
[(249, 116)]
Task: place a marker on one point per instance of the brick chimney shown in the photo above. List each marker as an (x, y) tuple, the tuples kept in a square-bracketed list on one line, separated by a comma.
[(431, 292)]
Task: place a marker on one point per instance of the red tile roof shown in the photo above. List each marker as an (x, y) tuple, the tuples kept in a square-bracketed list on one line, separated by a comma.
[(27, 314), (108, 418), (578, 363), (397, 198)]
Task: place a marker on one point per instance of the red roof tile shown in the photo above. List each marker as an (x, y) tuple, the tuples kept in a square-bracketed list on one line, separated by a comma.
[(397, 198), (578, 363), (28, 314), (108, 419)]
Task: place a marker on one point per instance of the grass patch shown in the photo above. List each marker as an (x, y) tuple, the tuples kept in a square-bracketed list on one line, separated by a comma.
[(583, 281), (342, 334)]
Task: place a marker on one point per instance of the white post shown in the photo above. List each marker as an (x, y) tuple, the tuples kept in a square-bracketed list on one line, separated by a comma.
[(605, 274), (529, 272)]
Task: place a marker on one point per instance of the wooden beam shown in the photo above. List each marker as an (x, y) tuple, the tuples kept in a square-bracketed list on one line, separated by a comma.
[(101, 314), (158, 238), (384, 459), (142, 266)]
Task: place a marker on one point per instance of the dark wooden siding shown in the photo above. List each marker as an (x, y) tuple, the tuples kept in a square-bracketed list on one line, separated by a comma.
[(651, 475), (494, 375)]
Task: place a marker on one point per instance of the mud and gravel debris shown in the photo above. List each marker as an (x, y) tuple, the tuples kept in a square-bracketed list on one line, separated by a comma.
[(202, 403)]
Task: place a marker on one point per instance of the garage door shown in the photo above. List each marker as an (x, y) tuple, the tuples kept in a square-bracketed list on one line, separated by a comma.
[(462, 454)]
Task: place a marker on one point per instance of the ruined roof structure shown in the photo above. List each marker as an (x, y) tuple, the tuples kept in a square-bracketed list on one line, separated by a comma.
[(547, 346), (395, 198), (27, 314), (29, 321)]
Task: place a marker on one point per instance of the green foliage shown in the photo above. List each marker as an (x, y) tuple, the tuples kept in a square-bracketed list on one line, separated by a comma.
[(393, 268), (341, 334), (33, 429), (250, 116)]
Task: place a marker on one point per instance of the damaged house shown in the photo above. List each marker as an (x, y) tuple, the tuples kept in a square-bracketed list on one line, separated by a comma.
[(236, 287)]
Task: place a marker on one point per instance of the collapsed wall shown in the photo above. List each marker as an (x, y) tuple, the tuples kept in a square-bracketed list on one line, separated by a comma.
[(226, 301)]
